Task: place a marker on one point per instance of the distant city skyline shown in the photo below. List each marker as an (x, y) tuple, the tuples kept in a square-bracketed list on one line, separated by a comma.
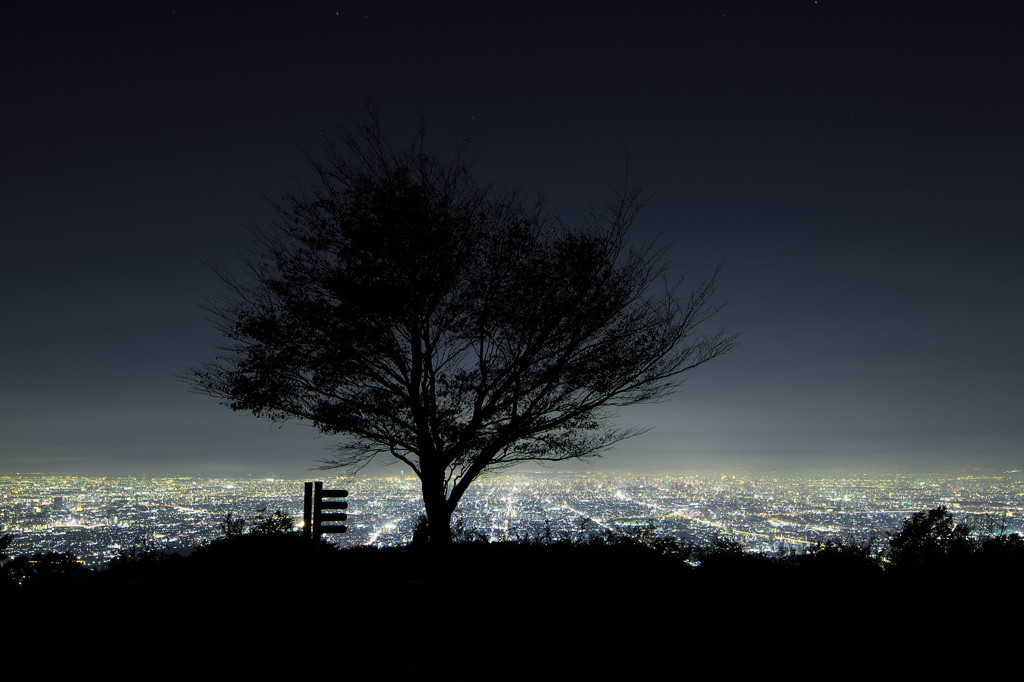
[(95, 518), (856, 167)]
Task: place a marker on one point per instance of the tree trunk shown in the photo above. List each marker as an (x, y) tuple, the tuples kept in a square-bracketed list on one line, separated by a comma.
[(438, 508)]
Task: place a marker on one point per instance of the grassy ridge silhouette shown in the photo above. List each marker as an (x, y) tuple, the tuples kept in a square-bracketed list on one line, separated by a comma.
[(551, 593)]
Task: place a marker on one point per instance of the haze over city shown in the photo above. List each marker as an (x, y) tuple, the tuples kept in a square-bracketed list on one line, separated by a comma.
[(855, 167)]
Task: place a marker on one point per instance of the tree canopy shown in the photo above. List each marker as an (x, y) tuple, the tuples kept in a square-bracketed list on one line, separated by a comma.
[(423, 316), (928, 538)]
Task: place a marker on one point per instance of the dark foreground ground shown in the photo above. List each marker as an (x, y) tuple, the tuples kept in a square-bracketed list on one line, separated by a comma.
[(253, 598)]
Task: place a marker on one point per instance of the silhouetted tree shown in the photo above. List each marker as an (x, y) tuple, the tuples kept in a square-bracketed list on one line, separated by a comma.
[(838, 558), (232, 525), (929, 538), (43, 568), (403, 305), (267, 523)]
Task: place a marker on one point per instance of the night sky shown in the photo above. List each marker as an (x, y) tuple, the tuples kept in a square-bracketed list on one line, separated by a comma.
[(857, 168)]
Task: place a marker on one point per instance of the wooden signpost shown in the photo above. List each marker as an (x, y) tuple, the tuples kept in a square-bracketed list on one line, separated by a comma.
[(316, 521)]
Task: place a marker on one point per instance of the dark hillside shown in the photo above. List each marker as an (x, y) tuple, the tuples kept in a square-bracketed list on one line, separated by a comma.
[(267, 593)]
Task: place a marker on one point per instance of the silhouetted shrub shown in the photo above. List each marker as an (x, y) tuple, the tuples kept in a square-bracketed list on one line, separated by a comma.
[(838, 559), (232, 525), (43, 568), (726, 559), (257, 558), (930, 538), (267, 523), (143, 561)]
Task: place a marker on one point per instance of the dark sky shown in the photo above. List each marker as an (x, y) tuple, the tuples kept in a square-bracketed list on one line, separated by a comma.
[(857, 166)]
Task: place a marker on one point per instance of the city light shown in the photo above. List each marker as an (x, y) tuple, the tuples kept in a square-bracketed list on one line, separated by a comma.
[(98, 518)]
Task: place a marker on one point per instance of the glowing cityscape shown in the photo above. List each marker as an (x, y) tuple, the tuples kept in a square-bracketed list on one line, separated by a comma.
[(96, 518)]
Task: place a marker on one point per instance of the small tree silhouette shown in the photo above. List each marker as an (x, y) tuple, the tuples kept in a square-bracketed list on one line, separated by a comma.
[(43, 568), (232, 525), (929, 537), (268, 524), (5, 542)]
